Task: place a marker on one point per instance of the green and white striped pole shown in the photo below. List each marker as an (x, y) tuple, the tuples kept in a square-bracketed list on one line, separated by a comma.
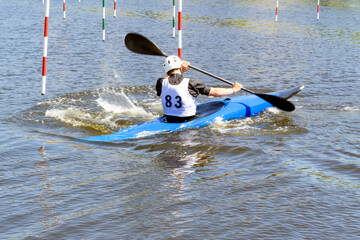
[(173, 18), (103, 21)]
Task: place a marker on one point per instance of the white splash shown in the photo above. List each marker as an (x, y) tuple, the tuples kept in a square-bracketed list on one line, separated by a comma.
[(79, 111), (118, 102), (70, 116), (273, 110), (146, 134), (351, 109), (218, 122)]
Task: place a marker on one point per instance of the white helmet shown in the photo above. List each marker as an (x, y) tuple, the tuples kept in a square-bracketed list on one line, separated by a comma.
[(172, 62)]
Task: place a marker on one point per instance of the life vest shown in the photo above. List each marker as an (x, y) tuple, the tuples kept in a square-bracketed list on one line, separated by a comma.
[(176, 99)]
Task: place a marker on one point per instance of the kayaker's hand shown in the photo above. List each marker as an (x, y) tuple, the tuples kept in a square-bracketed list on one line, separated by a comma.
[(236, 87), (185, 66)]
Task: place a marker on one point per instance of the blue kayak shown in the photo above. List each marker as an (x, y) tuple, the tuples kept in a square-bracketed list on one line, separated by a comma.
[(225, 109)]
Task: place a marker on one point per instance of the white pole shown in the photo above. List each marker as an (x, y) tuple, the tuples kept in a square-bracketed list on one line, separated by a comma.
[(43, 82), (318, 9)]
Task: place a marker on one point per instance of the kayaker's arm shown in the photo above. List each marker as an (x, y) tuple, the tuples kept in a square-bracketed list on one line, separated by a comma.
[(219, 92), (158, 86)]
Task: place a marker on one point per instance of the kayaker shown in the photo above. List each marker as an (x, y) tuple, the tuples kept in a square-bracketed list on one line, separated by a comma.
[(178, 93)]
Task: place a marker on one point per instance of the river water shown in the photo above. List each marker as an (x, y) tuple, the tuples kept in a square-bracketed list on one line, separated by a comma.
[(278, 175)]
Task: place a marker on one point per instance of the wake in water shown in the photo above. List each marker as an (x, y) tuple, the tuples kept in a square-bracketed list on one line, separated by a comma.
[(106, 110), (116, 109), (351, 109), (271, 121)]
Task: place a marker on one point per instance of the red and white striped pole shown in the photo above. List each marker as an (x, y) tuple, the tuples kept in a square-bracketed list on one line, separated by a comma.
[(173, 18), (43, 83), (318, 9), (180, 29), (64, 10), (114, 8), (277, 10)]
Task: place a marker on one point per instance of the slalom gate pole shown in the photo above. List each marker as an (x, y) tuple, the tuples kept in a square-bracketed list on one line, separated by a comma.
[(103, 20), (43, 82), (114, 8), (64, 9), (180, 29), (173, 18)]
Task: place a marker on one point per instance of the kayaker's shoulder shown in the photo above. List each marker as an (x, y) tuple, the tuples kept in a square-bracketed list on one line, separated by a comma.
[(160, 80), (158, 86)]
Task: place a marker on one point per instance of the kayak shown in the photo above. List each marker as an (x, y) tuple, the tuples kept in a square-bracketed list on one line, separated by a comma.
[(224, 109)]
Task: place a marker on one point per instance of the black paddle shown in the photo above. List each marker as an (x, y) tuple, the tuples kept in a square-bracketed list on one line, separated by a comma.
[(140, 44)]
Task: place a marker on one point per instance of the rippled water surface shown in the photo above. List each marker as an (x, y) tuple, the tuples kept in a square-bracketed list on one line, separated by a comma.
[(278, 175)]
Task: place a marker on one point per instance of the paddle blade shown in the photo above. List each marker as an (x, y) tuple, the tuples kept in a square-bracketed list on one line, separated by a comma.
[(278, 102), (140, 44)]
